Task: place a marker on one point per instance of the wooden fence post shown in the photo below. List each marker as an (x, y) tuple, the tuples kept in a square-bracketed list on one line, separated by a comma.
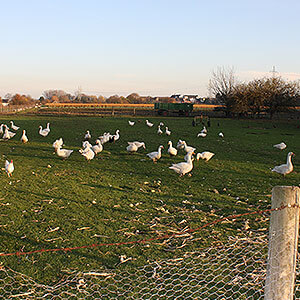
[(283, 244)]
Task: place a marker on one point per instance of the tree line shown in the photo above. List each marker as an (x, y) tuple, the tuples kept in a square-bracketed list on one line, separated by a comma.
[(60, 96), (265, 95)]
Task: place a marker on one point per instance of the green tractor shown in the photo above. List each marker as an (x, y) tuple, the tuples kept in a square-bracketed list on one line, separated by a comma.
[(178, 109)]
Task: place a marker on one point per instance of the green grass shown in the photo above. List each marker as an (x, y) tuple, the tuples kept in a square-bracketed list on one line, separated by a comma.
[(124, 197)]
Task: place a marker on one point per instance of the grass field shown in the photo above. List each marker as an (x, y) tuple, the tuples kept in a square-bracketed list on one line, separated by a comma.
[(51, 203)]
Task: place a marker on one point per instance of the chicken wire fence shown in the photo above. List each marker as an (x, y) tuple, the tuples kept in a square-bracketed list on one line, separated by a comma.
[(234, 270)]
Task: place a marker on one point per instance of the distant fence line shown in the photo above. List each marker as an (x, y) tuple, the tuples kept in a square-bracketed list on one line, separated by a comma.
[(14, 108)]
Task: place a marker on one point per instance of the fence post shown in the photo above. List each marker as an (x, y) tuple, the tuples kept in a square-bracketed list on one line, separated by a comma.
[(283, 244)]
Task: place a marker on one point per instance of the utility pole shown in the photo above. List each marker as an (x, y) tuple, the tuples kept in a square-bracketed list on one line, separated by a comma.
[(274, 72)]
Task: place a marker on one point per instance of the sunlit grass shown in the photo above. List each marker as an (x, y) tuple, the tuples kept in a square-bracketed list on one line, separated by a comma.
[(51, 203)]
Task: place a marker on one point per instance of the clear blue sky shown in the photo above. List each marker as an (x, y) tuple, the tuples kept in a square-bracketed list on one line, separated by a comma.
[(152, 47)]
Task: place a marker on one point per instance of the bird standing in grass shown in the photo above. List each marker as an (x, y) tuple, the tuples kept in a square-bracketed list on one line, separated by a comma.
[(171, 150), (183, 167), (63, 153), (156, 155), (285, 168), (8, 134), (44, 132), (159, 131), (168, 132), (149, 124), (24, 138), (206, 155), (134, 146), (88, 153), (98, 147), (280, 146), (87, 136), (9, 167), (13, 127), (131, 123)]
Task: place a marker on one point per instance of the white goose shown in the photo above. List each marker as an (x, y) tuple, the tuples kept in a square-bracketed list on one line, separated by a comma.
[(221, 134), (104, 138), (156, 155), (168, 132), (9, 167), (285, 168), (58, 143), (134, 146), (204, 130), (180, 145), (88, 153), (187, 148), (63, 153), (139, 144), (1, 128), (183, 167), (131, 123), (189, 154), (13, 127), (8, 134), (87, 136), (113, 138), (206, 155), (280, 146), (202, 134), (171, 150), (44, 132), (98, 147), (149, 124), (86, 144), (159, 131), (24, 138)]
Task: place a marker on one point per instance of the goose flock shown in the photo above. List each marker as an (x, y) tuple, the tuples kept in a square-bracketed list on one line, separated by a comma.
[(89, 151)]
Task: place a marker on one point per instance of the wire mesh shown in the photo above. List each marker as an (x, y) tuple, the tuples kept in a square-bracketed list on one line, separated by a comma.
[(232, 270)]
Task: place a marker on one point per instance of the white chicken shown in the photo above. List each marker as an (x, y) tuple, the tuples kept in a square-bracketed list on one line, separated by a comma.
[(9, 167), (156, 155), (24, 138)]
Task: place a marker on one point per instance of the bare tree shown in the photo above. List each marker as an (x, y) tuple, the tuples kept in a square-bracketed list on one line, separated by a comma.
[(222, 84)]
